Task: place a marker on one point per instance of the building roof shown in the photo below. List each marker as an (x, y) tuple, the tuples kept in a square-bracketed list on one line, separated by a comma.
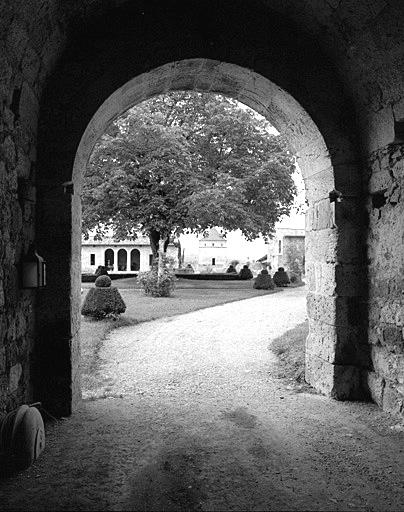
[(289, 232), (214, 235), (109, 240)]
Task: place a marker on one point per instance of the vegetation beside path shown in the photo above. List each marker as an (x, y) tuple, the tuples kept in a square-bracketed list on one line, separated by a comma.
[(290, 350)]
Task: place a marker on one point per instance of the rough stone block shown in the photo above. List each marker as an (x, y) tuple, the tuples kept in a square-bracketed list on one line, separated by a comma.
[(14, 377), (321, 245), (348, 383), (350, 280), (29, 108), (349, 214), (17, 39), (30, 64), (341, 311), (374, 334), (23, 166), (379, 180), (2, 359), (6, 73), (309, 219), (393, 401), (322, 341), (377, 129), (336, 381), (322, 308), (398, 109), (388, 364), (8, 150), (325, 283), (319, 185), (376, 387), (393, 338), (324, 215), (310, 278), (398, 169), (350, 244), (392, 311), (338, 345), (348, 179), (351, 311), (319, 374)]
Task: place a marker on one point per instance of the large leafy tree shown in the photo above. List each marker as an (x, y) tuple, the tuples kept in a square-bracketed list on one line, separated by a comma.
[(185, 162)]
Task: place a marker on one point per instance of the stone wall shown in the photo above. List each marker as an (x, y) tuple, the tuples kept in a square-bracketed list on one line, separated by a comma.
[(292, 258), (386, 276), (19, 63), (32, 38)]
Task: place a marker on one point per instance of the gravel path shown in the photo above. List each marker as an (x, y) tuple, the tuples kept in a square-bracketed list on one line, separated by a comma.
[(200, 351), (199, 423)]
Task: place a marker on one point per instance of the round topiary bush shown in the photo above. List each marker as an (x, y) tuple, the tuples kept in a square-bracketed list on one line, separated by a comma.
[(264, 281), (294, 278), (103, 282), (281, 278), (103, 301), (157, 286)]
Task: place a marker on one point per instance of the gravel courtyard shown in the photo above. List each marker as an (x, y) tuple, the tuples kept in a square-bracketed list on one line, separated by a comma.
[(196, 421)]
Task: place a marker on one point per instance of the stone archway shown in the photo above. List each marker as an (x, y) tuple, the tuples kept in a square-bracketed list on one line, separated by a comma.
[(329, 233), (309, 108)]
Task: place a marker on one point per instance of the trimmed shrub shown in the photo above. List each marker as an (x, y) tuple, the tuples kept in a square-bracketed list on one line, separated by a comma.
[(103, 302), (264, 281), (281, 278), (103, 281), (295, 278), (155, 287)]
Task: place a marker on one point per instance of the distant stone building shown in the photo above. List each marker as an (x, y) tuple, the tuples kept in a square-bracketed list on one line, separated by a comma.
[(126, 256), (286, 250), (213, 252)]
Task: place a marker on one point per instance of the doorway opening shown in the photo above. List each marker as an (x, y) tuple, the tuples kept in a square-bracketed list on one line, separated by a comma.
[(335, 350)]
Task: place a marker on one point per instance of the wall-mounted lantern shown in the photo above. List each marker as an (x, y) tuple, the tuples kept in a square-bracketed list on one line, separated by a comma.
[(335, 196), (33, 269)]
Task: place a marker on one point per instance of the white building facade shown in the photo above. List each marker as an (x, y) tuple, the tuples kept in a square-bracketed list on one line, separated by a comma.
[(213, 252), (119, 257)]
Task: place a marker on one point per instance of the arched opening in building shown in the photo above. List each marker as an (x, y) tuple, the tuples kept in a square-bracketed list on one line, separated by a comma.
[(135, 259), (122, 260), (308, 107), (109, 259)]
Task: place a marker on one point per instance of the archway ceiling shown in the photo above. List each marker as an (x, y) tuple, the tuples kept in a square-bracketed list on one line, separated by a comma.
[(364, 38)]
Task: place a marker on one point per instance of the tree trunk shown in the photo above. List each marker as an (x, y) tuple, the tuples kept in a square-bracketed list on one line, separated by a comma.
[(158, 244), (154, 237), (180, 260), (160, 267)]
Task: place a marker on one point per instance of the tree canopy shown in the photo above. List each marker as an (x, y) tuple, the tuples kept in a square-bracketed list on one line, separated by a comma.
[(184, 162)]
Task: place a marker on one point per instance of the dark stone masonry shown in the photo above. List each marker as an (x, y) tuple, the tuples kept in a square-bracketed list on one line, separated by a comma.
[(327, 74)]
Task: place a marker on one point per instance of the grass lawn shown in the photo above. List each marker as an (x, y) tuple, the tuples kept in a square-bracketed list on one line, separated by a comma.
[(188, 296)]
